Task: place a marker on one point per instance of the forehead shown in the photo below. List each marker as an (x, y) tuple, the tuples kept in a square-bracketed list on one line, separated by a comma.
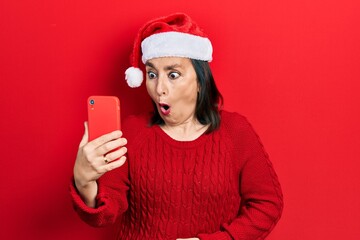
[(176, 62)]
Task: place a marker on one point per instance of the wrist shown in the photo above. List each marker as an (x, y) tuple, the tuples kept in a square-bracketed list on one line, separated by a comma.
[(83, 185), (87, 192)]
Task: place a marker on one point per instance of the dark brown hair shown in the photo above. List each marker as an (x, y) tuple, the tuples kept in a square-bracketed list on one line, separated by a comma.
[(209, 100)]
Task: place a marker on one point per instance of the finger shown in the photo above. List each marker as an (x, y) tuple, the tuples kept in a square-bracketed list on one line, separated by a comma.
[(115, 164), (116, 154), (85, 137), (111, 146), (105, 138)]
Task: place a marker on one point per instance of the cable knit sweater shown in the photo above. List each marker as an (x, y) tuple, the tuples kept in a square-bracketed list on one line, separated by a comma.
[(219, 186)]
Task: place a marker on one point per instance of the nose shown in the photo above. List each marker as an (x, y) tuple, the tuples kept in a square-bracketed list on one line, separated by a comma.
[(161, 87)]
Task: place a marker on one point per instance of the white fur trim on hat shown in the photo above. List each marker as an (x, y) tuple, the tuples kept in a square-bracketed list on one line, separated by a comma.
[(134, 77), (176, 44)]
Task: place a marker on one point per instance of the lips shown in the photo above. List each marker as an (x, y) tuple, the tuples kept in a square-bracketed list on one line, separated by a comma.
[(164, 108)]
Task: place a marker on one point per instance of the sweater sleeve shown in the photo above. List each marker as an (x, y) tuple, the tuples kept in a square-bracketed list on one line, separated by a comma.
[(260, 191), (113, 186), (111, 200)]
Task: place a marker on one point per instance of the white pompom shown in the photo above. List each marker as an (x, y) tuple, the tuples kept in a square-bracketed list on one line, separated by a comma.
[(134, 77)]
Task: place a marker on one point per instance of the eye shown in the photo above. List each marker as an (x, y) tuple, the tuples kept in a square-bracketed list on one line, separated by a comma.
[(151, 75), (174, 75)]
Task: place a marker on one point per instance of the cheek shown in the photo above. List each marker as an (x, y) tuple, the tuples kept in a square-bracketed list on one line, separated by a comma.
[(190, 93), (150, 88)]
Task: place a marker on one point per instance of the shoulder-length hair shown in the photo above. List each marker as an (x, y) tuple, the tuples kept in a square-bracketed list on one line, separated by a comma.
[(209, 100)]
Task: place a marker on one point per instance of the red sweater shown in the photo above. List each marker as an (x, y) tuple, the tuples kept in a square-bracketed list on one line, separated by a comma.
[(219, 186)]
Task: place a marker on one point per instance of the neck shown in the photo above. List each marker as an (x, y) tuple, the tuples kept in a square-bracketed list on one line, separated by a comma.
[(185, 131)]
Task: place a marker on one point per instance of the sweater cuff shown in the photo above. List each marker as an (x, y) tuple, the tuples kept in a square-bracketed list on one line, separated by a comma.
[(215, 236), (79, 204)]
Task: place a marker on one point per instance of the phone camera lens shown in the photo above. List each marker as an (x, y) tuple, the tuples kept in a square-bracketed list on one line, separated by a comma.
[(92, 102)]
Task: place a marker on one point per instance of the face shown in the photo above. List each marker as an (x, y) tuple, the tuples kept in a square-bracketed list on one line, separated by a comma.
[(172, 84)]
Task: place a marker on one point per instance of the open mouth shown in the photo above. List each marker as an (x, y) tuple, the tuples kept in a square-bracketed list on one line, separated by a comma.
[(164, 108)]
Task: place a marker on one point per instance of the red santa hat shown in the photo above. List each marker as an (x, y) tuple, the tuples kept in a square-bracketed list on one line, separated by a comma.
[(176, 35)]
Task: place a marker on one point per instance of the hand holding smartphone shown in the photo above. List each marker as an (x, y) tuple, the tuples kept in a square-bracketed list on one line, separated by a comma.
[(90, 165), (103, 115)]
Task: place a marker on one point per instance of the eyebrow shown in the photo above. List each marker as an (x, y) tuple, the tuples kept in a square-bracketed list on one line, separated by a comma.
[(170, 67), (149, 64)]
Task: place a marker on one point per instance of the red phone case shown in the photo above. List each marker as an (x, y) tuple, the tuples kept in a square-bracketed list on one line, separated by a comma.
[(103, 115)]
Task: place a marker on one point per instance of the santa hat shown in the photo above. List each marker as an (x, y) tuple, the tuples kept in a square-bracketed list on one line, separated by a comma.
[(175, 35)]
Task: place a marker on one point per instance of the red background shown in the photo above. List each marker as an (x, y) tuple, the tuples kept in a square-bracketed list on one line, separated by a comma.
[(291, 67)]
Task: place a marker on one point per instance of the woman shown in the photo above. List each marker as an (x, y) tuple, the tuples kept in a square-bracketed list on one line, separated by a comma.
[(189, 170)]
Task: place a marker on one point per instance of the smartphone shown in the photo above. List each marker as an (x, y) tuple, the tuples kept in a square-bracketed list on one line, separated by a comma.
[(103, 115)]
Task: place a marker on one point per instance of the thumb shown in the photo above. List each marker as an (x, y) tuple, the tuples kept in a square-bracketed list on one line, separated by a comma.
[(85, 137)]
